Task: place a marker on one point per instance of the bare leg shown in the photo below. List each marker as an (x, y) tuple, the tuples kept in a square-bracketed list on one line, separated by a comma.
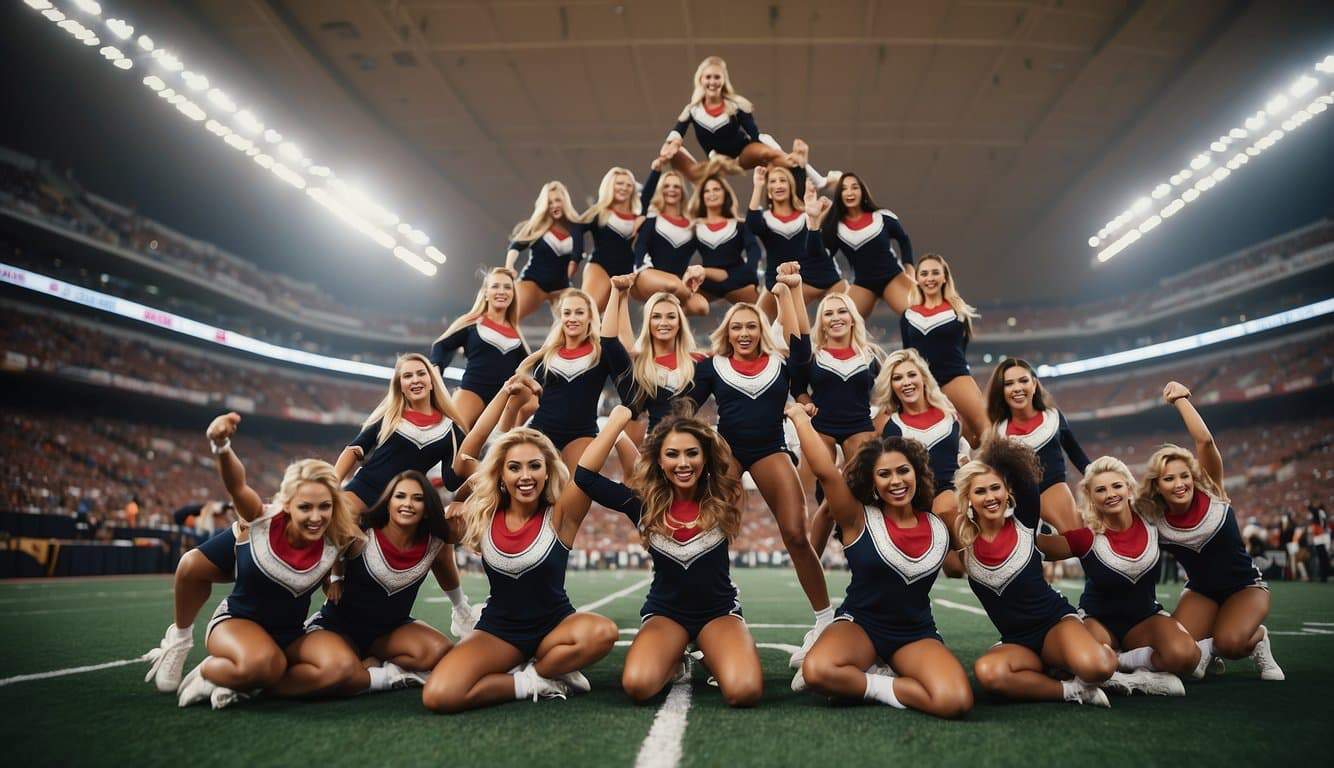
[(194, 580), (449, 578), (1237, 626), (531, 297), (812, 294), (578, 641), (242, 656), (1100, 633), (627, 454), (1069, 645), (836, 665), (964, 393), (1015, 672), (730, 654), (1196, 613), (778, 483), (1058, 508), (475, 674), (769, 303), (572, 451), (597, 284), (469, 406), (931, 680), (896, 293), (686, 164), (1174, 650), (697, 305), (746, 293), (653, 658), (864, 299), (318, 663), (756, 153), (651, 281)]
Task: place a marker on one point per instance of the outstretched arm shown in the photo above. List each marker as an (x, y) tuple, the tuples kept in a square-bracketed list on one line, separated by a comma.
[(1206, 450), (572, 506), (758, 191), (845, 507), (465, 458), (247, 502), (1071, 446)]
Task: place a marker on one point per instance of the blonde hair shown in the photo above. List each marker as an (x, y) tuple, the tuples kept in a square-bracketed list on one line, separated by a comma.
[(540, 221), (601, 209), (343, 529), (556, 337), (390, 409), (796, 197), (1149, 502), (1002, 457), (481, 306), (883, 396), (488, 497), (967, 313), (644, 367), (695, 209), (732, 101), (1098, 466), (859, 337), (656, 203), (722, 346)]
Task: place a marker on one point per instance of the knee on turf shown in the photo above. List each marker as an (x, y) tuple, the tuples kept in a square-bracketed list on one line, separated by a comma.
[(743, 690), (1232, 644), (262, 669), (950, 701), (640, 685), (440, 697), (818, 672)]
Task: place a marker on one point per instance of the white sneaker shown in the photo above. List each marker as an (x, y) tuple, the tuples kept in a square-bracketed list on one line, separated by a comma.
[(221, 698), (397, 678), (463, 619), (576, 681), (1217, 666), (1088, 694), (1263, 656), (168, 660), (1201, 667), (545, 688), (881, 669), (194, 688), (1147, 682), (799, 655), (798, 681), (682, 674)]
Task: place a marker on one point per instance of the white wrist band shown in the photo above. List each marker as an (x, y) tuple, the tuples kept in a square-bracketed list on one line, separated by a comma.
[(218, 450)]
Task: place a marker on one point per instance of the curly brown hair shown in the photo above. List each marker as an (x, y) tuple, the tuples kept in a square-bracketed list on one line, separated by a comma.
[(718, 491), (860, 470)]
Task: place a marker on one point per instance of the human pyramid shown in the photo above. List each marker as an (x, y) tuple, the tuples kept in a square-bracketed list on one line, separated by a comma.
[(914, 495)]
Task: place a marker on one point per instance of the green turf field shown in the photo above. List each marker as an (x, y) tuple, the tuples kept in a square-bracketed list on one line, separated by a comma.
[(111, 717)]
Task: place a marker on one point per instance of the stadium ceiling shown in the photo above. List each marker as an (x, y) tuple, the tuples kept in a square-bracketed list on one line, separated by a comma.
[(995, 128)]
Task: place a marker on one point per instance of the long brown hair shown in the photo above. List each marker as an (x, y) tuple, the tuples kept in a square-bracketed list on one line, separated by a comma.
[(718, 491), (997, 410), (860, 471)]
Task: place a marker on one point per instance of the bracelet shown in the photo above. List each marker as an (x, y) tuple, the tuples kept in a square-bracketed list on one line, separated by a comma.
[(218, 450), (334, 578)]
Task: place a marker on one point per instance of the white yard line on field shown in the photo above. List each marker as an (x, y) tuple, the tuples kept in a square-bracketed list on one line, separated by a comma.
[(662, 747), (64, 672), (959, 606), (614, 595)]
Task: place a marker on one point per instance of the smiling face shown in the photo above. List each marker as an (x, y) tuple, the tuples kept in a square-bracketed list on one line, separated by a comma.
[(779, 188), (850, 191), (555, 204), (407, 504), (1176, 483), (664, 321), (622, 188), (681, 459), (909, 385), (836, 322), (575, 318), (1109, 494), (988, 497), (713, 195), (673, 190), (499, 291), (524, 473), (711, 79), (414, 380), (743, 333), (310, 510), (1018, 386), (895, 480), (931, 277)]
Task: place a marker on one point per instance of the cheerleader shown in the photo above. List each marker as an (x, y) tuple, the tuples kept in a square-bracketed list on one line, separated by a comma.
[(751, 379), (844, 368), (1021, 409), (572, 366), (489, 336), (554, 237), (665, 244), (415, 426), (662, 357), (255, 639), (939, 324), (724, 123), (863, 233), (612, 221), (1039, 628), (684, 497), (1225, 601), (884, 646), (522, 516), (784, 222), (727, 248), (1119, 551)]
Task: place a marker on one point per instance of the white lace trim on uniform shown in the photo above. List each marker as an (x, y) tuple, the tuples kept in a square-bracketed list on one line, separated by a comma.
[(1051, 423), (1204, 531), (928, 323), (844, 369), (570, 369), (715, 238), (910, 568), (856, 238), (424, 436), (562, 246), (673, 233), (517, 565), (389, 577), (998, 577), (751, 386), (788, 229), (278, 570), (708, 122), (687, 552), (929, 436), (1130, 567), (497, 339)]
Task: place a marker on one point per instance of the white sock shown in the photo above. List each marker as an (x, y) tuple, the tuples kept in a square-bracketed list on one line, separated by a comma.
[(1070, 689), (1206, 647), (881, 688), (456, 596), (379, 679), (824, 616), (522, 686), (181, 633), (1139, 658)]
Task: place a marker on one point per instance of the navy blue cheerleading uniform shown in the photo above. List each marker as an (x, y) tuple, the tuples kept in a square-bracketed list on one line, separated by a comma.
[(665, 243), (840, 381), (692, 582), (789, 239), (671, 385), (893, 569), (274, 580), (751, 395), (1049, 435), (1006, 575), (549, 257), (718, 131), (493, 352), (379, 587), (939, 432), (420, 441), (526, 571), (220, 549), (1120, 573), (730, 246), (940, 336), (614, 242), (1208, 544), (571, 387), (865, 240)]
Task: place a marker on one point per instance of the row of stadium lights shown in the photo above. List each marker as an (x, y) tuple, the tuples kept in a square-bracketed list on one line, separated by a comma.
[(241, 130), (1251, 129)]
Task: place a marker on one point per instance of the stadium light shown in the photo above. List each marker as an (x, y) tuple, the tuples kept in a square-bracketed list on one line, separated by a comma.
[(357, 209), (1289, 107)]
